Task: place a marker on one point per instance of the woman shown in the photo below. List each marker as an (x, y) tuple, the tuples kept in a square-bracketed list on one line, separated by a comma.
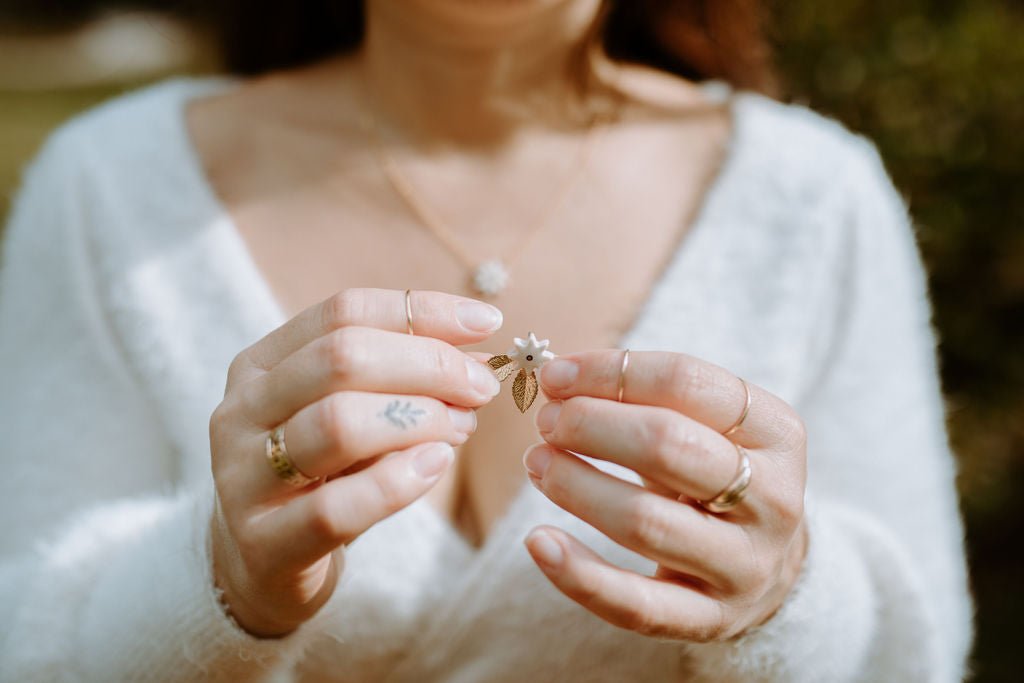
[(761, 489)]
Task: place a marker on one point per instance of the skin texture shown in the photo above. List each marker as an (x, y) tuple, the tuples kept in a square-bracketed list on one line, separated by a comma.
[(470, 121)]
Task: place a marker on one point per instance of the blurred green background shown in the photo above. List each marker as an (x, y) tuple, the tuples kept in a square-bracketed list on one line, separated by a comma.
[(938, 84)]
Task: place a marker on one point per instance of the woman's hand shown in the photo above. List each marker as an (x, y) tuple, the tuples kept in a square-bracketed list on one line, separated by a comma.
[(351, 385), (718, 574)]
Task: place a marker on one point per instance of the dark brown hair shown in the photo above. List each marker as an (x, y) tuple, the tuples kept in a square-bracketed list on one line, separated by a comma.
[(695, 39)]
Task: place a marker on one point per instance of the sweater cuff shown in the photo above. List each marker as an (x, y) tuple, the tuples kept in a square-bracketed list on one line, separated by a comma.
[(163, 593), (823, 630), (128, 593)]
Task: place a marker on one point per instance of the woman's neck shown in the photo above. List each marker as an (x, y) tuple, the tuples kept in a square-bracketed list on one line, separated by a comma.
[(469, 74)]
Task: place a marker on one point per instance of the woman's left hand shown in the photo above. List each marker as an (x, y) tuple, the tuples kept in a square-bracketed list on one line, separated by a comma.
[(718, 574)]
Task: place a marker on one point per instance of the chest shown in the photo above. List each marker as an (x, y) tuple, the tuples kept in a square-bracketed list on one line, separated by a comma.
[(584, 246)]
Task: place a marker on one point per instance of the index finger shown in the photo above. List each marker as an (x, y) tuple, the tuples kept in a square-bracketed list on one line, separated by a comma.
[(452, 318), (692, 386)]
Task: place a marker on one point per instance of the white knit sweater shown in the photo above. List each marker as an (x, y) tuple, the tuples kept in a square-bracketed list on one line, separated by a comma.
[(125, 292)]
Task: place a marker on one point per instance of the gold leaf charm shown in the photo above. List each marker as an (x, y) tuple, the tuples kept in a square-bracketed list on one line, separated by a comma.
[(502, 366), (526, 356), (524, 390)]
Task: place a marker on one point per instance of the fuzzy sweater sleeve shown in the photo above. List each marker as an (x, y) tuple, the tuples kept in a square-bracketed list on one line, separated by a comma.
[(883, 594), (104, 571)]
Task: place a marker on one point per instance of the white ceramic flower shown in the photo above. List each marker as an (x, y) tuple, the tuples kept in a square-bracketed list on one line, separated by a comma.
[(530, 354), (527, 356)]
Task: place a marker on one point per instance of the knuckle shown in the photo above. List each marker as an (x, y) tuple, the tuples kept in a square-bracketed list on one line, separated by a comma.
[(589, 588), (334, 423), (322, 522), (223, 420), (669, 439), (789, 510), (573, 418), (218, 421), (647, 525), (437, 420), (245, 403), (793, 429), (343, 308), (443, 361), (344, 349), (237, 367), (686, 378), (641, 617), (446, 365), (389, 493)]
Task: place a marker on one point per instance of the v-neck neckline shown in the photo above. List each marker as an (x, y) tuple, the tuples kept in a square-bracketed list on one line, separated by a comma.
[(251, 281)]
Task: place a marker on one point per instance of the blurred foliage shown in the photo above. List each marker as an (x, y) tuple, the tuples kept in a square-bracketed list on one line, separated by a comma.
[(26, 118), (939, 86)]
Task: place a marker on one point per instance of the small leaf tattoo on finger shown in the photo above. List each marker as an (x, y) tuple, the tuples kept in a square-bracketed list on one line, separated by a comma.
[(401, 414)]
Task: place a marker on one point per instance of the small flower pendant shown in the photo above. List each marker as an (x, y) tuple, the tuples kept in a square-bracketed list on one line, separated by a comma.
[(490, 277), (527, 355)]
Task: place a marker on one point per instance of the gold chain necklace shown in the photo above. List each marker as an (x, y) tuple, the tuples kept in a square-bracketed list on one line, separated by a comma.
[(488, 277)]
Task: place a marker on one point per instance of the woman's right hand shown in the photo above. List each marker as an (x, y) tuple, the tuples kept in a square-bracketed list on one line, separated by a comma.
[(351, 385)]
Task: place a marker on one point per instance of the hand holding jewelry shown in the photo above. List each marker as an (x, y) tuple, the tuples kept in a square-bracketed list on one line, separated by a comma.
[(721, 515), (527, 355), (367, 372)]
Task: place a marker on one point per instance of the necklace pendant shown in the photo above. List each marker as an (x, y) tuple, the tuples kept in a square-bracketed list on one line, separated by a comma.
[(490, 277)]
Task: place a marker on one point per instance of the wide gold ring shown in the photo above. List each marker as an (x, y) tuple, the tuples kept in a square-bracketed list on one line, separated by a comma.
[(277, 456), (622, 373), (733, 493), (408, 312), (746, 410)]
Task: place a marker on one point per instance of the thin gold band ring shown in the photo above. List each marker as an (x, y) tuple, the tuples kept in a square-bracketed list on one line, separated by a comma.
[(746, 410), (733, 493), (622, 373), (408, 312)]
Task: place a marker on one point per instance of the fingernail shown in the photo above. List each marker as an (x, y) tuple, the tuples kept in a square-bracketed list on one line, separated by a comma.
[(545, 548), (548, 416), (477, 316), (536, 460), (433, 460), (463, 419), (559, 373), (482, 379)]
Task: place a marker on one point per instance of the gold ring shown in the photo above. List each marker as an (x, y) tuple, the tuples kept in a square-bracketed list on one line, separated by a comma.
[(408, 312), (743, 415), (733, 493), (282, 465), (622, 373)]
